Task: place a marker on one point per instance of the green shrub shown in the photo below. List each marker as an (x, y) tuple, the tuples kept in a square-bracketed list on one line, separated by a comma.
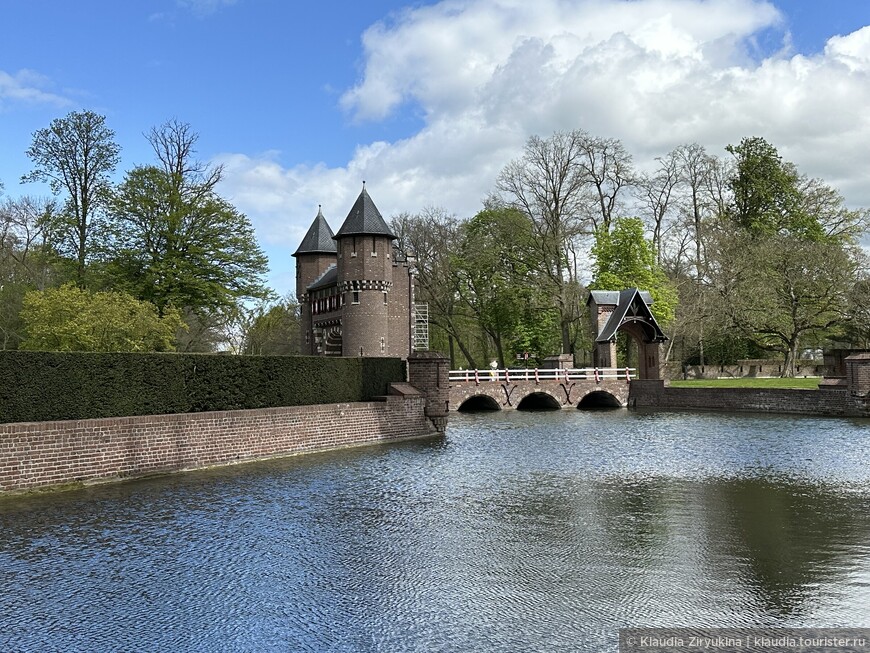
[(40, 386)]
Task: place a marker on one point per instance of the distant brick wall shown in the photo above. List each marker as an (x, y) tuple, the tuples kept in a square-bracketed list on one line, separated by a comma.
[(37, 454), (751, 368), (834, 401)]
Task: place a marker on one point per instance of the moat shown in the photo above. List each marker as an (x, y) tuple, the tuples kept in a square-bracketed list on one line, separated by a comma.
[(518, 531)]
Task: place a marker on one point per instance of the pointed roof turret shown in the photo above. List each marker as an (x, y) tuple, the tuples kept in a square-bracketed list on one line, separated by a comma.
[(632, 305), (318, 239), (364, 219)]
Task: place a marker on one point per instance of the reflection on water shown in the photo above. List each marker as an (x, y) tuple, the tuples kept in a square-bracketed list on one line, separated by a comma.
[(532, 532)]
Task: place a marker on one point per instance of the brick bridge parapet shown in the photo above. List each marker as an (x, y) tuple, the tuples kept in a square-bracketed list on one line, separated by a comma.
[(564, 388)]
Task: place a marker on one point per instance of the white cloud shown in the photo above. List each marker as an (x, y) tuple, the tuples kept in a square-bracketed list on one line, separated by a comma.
[(486, 74), (27, 87), (204, 7)]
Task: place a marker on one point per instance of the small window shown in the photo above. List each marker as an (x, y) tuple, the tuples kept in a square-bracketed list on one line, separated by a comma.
[(374, 246), (385, 298), (356, 296), (353, 251)]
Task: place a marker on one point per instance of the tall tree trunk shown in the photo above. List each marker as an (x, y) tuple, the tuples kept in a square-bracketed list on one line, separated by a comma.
[(790, 357)]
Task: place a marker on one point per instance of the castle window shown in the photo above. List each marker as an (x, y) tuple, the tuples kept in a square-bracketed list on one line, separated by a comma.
[(356, 297), (353, 251), (374, 246), (385, 298)]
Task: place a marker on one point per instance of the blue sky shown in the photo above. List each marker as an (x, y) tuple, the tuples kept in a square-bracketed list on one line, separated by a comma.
[(426, 101)]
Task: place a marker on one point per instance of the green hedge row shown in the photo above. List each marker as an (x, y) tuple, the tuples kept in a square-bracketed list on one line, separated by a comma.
[(40, 386)]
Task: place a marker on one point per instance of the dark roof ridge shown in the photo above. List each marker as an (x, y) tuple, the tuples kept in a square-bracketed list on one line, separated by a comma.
[(318, 238), (364, 219), (627, 300)]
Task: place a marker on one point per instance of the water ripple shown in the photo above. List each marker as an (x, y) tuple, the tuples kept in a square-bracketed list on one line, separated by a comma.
[(533, 532)]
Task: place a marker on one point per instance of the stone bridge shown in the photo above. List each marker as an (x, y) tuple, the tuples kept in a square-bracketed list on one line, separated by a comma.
[(531, 389)]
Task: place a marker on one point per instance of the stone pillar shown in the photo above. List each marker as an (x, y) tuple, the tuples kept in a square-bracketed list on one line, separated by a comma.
[(559, 362), (650, 366), (428, 372), (605, 354), (858, 375)]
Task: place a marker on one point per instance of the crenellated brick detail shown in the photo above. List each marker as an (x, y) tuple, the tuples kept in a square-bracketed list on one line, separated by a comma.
[(38, 454)]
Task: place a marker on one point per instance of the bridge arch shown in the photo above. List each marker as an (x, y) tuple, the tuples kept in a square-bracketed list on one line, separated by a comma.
[(540, 400), (479, 403), (599, 400)]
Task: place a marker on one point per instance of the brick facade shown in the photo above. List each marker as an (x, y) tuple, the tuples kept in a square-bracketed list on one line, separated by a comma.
[(564, 394), (356, 300), (39, 454), (429, 373)]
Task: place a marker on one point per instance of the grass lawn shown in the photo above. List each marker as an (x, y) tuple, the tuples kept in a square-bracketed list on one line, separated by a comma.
[(801, 383)]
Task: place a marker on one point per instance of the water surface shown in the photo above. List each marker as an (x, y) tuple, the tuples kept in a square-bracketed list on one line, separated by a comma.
[(516, 532)]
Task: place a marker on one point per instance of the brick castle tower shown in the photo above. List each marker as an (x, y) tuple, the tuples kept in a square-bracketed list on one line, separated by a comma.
[(355, 289)]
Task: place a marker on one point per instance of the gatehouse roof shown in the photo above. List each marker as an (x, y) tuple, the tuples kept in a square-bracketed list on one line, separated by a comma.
[(632, 305), (611, 297), (318, 238), (364, 219)]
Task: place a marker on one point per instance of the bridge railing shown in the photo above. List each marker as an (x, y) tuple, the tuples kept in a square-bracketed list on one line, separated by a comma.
[(596, 374)]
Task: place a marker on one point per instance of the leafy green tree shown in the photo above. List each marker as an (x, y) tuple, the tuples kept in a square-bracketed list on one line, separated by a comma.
[(175, 242), (76, 155), (624, 258), (501, 284), (198, 252), (767, 197), (274, 330), (27, 259), (779, 290), (71, 319)]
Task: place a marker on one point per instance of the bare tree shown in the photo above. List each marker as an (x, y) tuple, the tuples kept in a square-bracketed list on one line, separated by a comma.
[(550, 184), (76, 155), (608, 169), (174, 144), (656, 191), (430, 239), (26, 239)]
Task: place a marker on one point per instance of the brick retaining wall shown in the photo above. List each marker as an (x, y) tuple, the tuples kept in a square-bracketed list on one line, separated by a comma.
[(834, 401), (38, 454)]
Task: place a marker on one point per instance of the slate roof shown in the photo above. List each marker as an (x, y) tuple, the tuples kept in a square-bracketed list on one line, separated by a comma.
[(611, 297), (364, 219), (318, 238), (328, 278), (632, 306)]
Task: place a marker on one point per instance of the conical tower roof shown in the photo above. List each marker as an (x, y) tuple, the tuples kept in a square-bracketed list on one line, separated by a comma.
[(318, 239), (364, 219)]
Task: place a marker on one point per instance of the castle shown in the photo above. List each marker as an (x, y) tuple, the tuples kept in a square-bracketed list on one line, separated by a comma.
[(355, 289)]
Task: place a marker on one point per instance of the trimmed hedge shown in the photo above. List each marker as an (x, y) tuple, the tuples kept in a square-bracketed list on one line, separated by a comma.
[(42, 386)]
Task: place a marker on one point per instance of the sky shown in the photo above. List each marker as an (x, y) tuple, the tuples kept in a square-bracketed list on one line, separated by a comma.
[(427, 101)]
